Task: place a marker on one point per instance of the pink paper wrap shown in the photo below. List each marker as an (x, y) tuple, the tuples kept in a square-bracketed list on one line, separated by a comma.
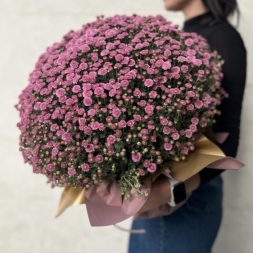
[(106, 206)]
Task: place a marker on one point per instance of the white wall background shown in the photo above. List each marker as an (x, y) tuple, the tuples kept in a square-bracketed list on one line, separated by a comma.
[(27, 204)]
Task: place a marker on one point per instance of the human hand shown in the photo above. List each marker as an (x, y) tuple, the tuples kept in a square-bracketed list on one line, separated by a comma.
[(159, 195), (156, 204)]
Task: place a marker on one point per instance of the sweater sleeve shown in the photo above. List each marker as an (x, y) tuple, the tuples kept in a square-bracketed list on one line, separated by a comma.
[(227, 41)]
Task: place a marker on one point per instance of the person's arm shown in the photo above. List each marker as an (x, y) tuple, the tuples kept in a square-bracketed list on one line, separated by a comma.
[(160, 194), (230, 46)]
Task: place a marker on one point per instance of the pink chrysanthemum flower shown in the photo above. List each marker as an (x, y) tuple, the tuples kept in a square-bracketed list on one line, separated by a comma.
[(71, 171), (126, 101), (148, 82), (85, 167), (99, 159), (136, 157), (111, 139), (152, 167)]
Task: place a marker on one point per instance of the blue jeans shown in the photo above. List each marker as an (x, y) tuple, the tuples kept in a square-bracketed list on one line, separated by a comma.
[(190, 229)]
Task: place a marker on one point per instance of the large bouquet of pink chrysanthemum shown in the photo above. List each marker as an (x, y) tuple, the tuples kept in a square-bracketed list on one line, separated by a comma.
[(115, 99)]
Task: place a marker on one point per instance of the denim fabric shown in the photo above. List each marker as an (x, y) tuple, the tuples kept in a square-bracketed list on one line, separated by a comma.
[(190, 229)]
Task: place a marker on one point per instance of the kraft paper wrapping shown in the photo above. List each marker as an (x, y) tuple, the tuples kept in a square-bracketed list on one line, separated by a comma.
[(105, 204)]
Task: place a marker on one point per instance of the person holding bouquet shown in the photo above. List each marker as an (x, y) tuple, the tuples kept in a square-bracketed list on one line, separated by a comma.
[(193, 223), (115, 112)]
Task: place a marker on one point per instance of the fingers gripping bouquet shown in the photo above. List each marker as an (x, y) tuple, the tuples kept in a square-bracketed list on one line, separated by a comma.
[(115, 102)]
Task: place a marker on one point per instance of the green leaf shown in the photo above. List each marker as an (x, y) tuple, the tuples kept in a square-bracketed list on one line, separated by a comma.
[(102, 135)]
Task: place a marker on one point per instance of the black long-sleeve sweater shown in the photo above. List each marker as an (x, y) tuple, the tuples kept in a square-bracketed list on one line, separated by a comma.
[(224, 38)]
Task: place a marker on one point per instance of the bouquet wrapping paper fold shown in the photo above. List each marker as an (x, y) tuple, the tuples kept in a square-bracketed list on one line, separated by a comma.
[(105, 204)]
